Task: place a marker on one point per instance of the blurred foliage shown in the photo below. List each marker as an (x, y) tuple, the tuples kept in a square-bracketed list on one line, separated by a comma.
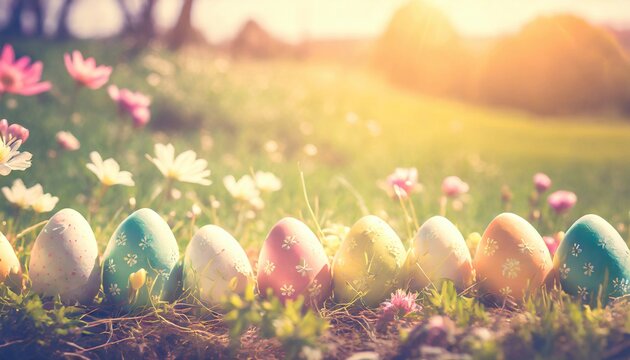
[(558, 64), (463, 309)]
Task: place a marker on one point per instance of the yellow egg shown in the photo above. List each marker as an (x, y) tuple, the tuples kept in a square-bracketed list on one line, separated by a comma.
[(369, 263)]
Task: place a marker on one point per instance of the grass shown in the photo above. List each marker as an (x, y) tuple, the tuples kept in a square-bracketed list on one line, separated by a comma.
[(228, 110)]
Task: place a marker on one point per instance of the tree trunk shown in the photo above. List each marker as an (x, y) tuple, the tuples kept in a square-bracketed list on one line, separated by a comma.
[(38, 11), (129, 23), (14, 25), (148, 24), (183, 30), (63, 32)]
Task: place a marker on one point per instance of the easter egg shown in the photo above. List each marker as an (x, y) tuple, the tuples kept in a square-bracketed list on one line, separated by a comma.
[(215, 265), (64, 259), (142, 241), (369, 263), (9, 263), (292, 263), (511, 259), (593, 259), (439, 252)]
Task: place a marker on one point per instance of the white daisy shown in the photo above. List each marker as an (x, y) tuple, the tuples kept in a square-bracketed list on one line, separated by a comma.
[(185, 167), (108, 171), (244, 189), (21, 196), (11, 158), (267, 182), (44, 203)]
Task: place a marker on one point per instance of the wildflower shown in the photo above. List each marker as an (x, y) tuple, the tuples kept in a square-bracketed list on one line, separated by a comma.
[(67, 141), (108, 171), (44, 203), (244, 190), (13, 132), (402, 182), (137, 279), (551, 243), (453, 187), (542, 182), (85, 72), (399, 304), (21, 196), (267, 182), (135, 104), (19, 76), (562, 201), (185, 167)]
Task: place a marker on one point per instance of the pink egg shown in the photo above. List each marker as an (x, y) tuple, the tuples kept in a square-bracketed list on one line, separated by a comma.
[(292, 262)]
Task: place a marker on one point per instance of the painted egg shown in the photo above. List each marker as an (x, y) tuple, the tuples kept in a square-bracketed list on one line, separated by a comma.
[(292, 262), (64, 259), (9, 264), (511, 259), (142, 241), (215, 265), (369, 264), (439, 252), (592, 259)]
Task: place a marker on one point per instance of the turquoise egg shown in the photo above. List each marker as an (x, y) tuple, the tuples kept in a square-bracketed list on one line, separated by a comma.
[(142, 241), (593, 259)]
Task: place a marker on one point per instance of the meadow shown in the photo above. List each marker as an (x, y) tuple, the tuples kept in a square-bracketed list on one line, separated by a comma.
[(344, 128)]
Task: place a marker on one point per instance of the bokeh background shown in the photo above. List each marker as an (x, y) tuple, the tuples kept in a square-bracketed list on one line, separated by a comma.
[(490, 91)]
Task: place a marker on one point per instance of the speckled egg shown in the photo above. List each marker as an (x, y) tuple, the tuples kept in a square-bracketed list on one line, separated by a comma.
[(439, 252), (593, 258), (292, 262), (8, 262), (142, 241), (369, 264), (511, 259), (215, 265), (64, 259)]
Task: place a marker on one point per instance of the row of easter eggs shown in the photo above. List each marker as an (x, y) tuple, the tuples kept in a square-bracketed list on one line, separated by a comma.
[(141, 262)]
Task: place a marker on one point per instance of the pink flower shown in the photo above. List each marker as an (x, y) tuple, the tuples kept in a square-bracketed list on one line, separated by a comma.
[(19, 76), (453, 186), (85, 72), (542, 182), (562, 201), (67, 141), (402, 182), (135, 104), (552, 244), (12, 132), (399, 304)]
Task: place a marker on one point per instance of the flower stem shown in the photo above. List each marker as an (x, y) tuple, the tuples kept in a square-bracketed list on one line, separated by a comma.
[(443, 205), (98, 198)]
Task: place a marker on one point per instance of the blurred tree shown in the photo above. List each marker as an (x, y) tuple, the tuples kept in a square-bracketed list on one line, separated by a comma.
[(421, 49), (17, 10), (183, 31), (63, 32), (557, 64)]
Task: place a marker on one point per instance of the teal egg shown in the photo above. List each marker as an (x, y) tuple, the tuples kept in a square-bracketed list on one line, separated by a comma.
[(142, 241), (593, 259)]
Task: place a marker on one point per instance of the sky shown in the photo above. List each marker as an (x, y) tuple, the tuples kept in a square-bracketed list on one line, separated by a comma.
[(295, 20)]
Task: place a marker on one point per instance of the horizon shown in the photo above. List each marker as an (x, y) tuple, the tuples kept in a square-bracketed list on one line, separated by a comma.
[(295, 21)]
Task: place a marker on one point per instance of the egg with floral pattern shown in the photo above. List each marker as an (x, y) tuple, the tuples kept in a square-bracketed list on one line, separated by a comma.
[(292, 263), (439, 252), (9, 264), (511, 259), (64, 259), (215, 265), (142, 241), (369, 264), (592, 259)]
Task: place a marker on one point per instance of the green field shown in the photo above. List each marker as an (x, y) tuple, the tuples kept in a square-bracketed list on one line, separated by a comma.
[(227, 111)]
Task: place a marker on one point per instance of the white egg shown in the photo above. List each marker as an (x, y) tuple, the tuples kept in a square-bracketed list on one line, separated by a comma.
[(64, 259), (215, 265), (439, 252)]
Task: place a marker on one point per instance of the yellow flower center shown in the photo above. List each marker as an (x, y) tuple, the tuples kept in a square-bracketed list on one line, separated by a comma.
[(5, 152)]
